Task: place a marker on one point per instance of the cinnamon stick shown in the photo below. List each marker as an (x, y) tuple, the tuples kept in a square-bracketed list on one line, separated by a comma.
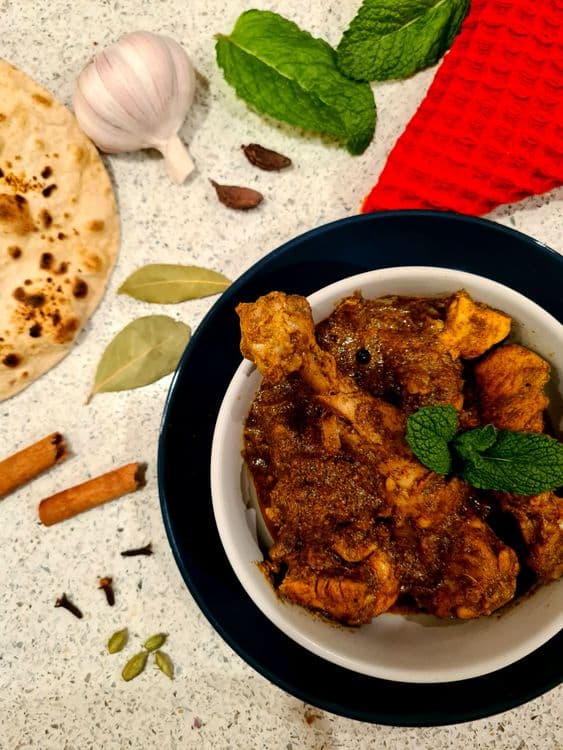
[(31, 461), (92, 493)]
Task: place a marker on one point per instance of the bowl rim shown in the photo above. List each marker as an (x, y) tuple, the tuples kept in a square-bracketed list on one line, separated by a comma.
[(271, 607)]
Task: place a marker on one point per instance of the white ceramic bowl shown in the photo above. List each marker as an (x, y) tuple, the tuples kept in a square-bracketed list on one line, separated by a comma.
[(417, 648)]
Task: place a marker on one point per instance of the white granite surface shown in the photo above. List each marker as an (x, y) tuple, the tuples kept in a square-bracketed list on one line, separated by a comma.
[(58, 687)]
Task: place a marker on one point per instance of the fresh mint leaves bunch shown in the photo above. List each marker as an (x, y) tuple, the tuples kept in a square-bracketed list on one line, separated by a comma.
[(485, 457), (286, 73)]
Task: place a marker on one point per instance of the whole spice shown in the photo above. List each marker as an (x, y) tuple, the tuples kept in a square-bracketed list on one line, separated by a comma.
[(31, 461), (168, 283), (145, 350), (135, 94), (146, 550), (92, 493), (135, 666), (118, 641), (164, 663), (65, 603), (241, 198), (265, 158), (155, 642), (106, 584)]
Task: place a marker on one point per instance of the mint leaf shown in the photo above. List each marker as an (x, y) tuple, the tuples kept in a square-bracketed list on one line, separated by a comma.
[(429, 430), (519, 462), (284, 72), (475, 441), (396, 38)]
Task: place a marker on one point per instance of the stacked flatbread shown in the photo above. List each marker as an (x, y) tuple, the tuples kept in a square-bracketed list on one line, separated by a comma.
[(59, 230)]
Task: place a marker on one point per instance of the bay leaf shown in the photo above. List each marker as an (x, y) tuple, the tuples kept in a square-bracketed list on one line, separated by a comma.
[(144, 351), (167, 283)]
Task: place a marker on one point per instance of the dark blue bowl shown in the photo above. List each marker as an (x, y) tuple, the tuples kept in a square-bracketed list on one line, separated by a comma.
[(301, 266)]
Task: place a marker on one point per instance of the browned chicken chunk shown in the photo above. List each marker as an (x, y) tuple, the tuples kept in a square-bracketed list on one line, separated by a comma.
[(392, 348), (352, 595), (472, 328), (540, 519), (511, 382), (478, 574)]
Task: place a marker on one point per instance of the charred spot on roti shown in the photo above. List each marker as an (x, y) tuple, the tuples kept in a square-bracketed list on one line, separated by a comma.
[(46, 261), (97, 225), (2, 117), (46, 192), (11, 360), (46, 218), (14, 252), (1, 173), (66, 330), (63, 268), (21, 184), (79, 288), (92, 262), (61, 236), (35, 330), (36, 299), (15, 216), (46, 173), (44, 100), (78, 153)]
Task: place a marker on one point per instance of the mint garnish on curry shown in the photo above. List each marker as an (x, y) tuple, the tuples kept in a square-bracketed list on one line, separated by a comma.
[(384, 444)]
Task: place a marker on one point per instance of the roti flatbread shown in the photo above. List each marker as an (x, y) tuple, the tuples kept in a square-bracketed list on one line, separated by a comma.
[(59, 230)]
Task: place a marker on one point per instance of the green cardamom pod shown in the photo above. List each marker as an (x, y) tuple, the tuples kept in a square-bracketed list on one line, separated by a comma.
[(134, 666), (118, 640), (164, 663), (155, 642)]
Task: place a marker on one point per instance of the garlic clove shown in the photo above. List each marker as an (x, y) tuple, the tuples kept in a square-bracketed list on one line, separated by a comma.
[(135, 94), (178, 161)]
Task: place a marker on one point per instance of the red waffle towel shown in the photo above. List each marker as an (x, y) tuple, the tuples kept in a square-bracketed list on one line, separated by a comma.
[(490, 129)]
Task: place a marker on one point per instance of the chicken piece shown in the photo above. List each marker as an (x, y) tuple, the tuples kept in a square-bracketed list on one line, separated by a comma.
[(540, 519), (472, 328), (511, 382), (391, 347), (278, 335), (353, 595), (478, 574)]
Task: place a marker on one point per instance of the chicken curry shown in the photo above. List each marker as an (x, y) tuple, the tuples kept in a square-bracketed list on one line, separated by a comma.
[(360, 527)]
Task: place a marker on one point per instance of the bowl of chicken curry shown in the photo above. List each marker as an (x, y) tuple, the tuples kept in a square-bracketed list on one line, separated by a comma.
[(345, 539)]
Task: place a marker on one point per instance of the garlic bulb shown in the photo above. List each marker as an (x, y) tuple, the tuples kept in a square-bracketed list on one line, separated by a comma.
[(136, 94)]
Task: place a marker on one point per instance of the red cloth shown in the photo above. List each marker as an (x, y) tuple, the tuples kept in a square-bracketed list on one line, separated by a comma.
[(490, 129)]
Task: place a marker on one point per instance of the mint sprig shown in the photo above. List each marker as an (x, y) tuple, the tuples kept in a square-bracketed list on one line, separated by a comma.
[(396, 38), (429, 430), (487, 458), (286, 73)]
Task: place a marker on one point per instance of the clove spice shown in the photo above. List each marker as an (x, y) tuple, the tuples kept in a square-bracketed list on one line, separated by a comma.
[(265, 158), (146, 550), (65, 603), (105, 583)]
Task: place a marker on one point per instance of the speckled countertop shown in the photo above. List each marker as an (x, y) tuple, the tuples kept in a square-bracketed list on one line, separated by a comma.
[(58, 687)]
